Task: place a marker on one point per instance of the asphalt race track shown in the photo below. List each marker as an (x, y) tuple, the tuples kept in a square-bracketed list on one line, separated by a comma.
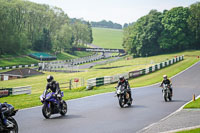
[(102, 114)]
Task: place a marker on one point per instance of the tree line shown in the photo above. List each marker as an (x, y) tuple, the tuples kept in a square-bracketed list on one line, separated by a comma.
[(106, 24), (172, 30), (25, 25)]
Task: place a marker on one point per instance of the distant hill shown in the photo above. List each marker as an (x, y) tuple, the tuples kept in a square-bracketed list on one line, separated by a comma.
[(106, 24), (107, 38)]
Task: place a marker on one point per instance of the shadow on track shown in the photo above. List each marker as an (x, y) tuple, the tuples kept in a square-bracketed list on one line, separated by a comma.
[(135, 106), (65, 117), (184, 101)]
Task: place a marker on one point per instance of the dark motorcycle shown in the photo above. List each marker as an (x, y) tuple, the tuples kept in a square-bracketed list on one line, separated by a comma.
[(166, 92), (123, 96), (9, 113), (51, 105)]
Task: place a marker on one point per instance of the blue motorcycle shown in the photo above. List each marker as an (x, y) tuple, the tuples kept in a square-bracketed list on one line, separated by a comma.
[(51, 105), (9, 113)]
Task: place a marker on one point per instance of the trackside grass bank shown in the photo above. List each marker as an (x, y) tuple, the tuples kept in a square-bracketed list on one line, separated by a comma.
[(38, 83), (25, 60), (190, 131), (193, 104)]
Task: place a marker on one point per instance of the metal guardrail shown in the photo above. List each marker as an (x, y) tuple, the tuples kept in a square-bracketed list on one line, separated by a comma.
[(18, 66), (15, 91), (21, 90)]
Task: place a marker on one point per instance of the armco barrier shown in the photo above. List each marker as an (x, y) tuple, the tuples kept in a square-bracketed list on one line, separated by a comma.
[(21, 90), (4, 93), (19, 66), (112, 79), (99, 81), (15, 91)]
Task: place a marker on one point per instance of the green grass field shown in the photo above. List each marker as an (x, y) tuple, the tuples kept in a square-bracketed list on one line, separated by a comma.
[(193, 104), (38, 83), (17, 61), (25, 60), (190, 131), (107, 38)]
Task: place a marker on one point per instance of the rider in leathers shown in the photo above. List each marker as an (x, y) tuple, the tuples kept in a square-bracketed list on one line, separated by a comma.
[(54, 86), (168, 82), (123, 81)]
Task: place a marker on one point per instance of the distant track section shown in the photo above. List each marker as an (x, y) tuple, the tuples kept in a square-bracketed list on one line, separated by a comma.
[(106, 50)]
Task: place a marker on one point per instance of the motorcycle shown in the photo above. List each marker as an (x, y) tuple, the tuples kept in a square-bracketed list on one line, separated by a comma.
[(166, 92), (9, 116), (51, 105), (123, 96)]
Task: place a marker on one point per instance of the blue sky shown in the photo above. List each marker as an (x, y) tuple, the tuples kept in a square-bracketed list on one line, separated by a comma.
[(120, 11)]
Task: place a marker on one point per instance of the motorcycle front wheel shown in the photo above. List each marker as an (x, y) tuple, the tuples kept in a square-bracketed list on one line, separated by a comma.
[(64, 108), (165, 97), (121, 102), (46, 111), (15, 126)]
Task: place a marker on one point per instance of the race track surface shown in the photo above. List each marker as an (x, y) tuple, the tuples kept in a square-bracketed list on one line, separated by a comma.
[(102, 114)]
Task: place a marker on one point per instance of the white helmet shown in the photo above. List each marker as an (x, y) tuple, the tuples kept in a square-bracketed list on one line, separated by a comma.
[(165, 76)]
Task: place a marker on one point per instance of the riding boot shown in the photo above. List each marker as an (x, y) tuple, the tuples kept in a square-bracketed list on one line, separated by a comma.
[(7, 124), (130, 95), (171, 91)]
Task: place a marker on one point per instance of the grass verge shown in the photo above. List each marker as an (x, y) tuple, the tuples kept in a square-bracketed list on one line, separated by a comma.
[(197, 130), (26, 60), (193, 104)]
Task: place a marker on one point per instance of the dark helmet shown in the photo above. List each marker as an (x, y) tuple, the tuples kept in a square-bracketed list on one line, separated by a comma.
[(121, 78), (49, 78)]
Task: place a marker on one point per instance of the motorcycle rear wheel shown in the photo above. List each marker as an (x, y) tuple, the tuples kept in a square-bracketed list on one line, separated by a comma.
[(129, 104), (170, 98), (46, 111)]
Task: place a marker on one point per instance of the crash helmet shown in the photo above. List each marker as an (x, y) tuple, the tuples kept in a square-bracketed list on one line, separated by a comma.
[(164, 77), (121, 78), (49, 78)]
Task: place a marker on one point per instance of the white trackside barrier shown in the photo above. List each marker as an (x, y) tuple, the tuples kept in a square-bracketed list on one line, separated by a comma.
[(153, 68), (21, 90), (107, 79)]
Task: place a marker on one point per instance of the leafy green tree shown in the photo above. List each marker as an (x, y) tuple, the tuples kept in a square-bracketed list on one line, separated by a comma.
[(141, 39), (176, 35), (62, 40), (194, 23), (106, 24), (27, 25)]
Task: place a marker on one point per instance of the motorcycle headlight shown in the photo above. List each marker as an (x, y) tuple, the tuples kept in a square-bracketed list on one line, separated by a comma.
[(118, 91), (41, 98)]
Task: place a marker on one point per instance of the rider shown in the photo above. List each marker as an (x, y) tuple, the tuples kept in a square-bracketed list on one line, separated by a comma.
[(123, 81), (2, 116), (54, 86), (168, 82)]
